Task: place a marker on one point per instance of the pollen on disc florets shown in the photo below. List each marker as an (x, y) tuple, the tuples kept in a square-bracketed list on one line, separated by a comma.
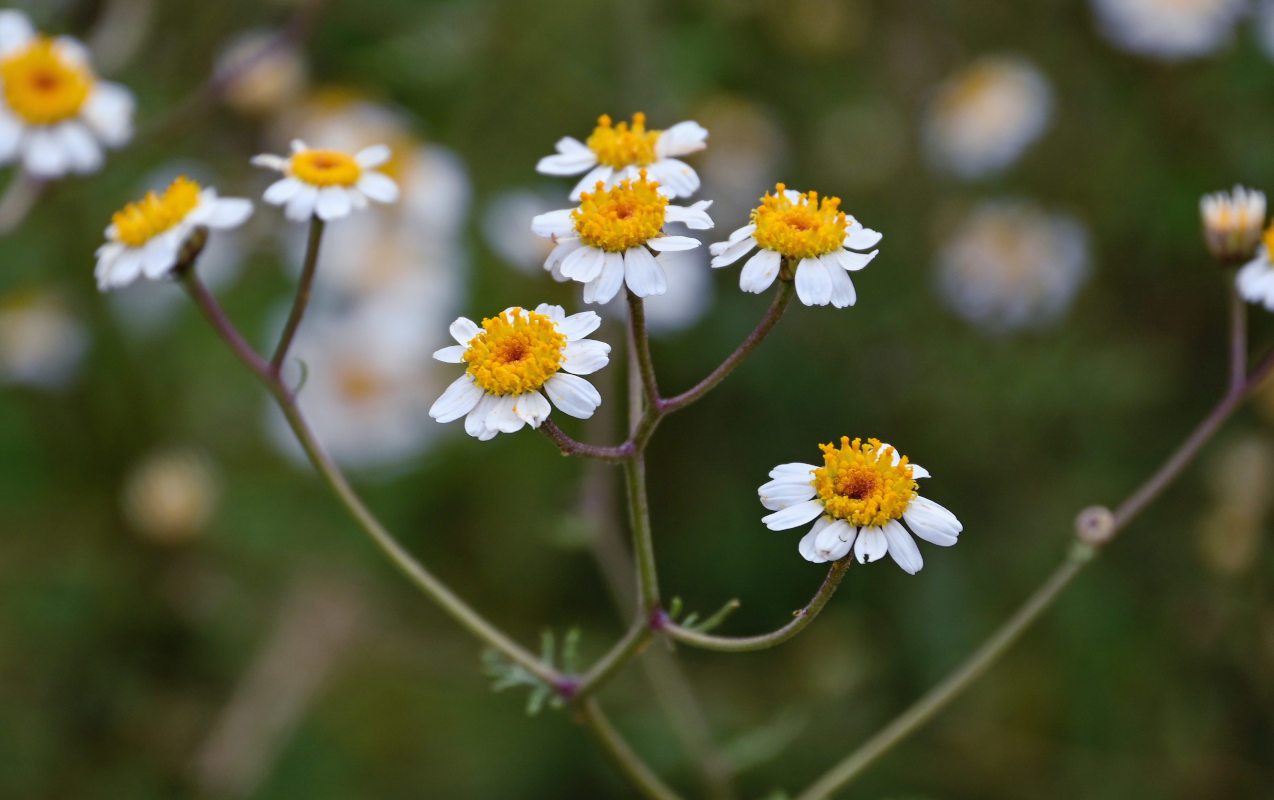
[(325, 167), (861, 485), (516, 352), (41, 86), (137, 223), (805, 229), (620, 146), (624, 216)]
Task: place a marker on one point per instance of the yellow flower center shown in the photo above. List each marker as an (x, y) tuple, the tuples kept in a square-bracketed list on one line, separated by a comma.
[(516, 352), (804, 229), (325, 168), (620, 146), (1267, 239), (856, 486), (41, 86), (627, 215), (137, 223)]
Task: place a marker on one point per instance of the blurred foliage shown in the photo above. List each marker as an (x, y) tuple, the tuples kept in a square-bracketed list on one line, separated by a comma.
[(1151, 678)]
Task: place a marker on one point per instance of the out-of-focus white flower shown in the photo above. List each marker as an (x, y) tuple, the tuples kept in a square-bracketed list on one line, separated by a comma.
[(170, 496), (262, 71), (615, 153), (41, 343), (510, 359), (607, 241), (1233, 520), (1169, 30), (860, 499), (505, 230), (327, 184), (1011, 265), (814, 234), (146, 238), (1255, 279), (1232, 223), (983, 118), (748, 150), (689, 294), (55, 114)]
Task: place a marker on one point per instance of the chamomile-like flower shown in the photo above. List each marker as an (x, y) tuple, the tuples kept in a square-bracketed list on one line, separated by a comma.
[(328, 184), (145, 238), (510, 359), (614, 153), (1255, 279), (813, 234), (55, 115), (607, 241), (1232, 223), (860, 499)]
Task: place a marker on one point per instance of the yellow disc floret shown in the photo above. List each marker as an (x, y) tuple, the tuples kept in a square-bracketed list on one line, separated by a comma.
[(1267, 239), (861, 485), (42, 86), (624, 216), (804, 229), (137, 223), (325, 168), (620, 146), (516, 352)]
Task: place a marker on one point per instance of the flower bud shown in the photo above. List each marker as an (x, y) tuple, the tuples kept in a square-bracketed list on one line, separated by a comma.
[(1232, 223)]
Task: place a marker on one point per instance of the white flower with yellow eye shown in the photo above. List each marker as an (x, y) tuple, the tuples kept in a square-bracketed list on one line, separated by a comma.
[(614, 153), (145, 238), (510, 358), (55, 115), (607, 241), (859, 500), (815, 235), (1255, 279), (327, 184)]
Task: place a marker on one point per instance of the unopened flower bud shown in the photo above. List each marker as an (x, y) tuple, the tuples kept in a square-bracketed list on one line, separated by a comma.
[(1232, 223), (1095, 525)]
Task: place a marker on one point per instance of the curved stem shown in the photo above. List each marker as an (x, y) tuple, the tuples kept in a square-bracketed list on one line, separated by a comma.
[(625, 649), (641, 346), (572, 447), (772, 316), (331, 475), (643, 545), (739, 644), (302, 295), (628, 762)]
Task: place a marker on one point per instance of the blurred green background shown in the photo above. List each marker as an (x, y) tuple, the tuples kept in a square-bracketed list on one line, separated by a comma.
[(185, 612)]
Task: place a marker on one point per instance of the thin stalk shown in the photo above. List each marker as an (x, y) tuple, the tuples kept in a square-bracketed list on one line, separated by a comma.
[(335, 480), (643, 545), (641, 347), (1238, 337), (628, 762), (739, 644), (302, 295), (625, 649), (571, 447)]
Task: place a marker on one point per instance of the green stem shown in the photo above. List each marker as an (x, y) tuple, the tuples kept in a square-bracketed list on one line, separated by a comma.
[(625, 649), (738, 644), (641, 342), (643, 545), (628, 762), (302, 295)]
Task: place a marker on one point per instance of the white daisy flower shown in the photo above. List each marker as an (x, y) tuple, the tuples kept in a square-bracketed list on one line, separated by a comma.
[(327, 184), (42, 340), (145, 238), (615, 153), (858, 500), (1255, 279), (511, 358), (1012, 265), (983, 118), (790, 227), (1232, 223), (608, 240), (1169, 29), (55, 115)]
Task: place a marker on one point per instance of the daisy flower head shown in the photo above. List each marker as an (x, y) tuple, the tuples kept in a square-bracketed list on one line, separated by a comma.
[(615, 153), (1170, 30), (55, 115), (1232, 223), (514, 356), (327, 184), (612, 237), (1255, 279), (146, 238), (863, 499), (801, 229)]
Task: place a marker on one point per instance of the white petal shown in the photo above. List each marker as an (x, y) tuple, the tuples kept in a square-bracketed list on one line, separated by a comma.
[(160, 254), (571, 145), (577, 326), (585, 263), (228, 212), (667, 244), (532, 408), (463, 330), (554, 312), (806, 546), (585, 356), (452, 354), (843, 293), (82, 151), (378, 186), (572, 163), (643, 273), (282, 191), (553, 223), (853, 261), (902, 548), (574, 395), (587, 183), (870, 545), (554, 261), (504, 416), (793, 515), (333, 203), (931, 522), (694, 217), (109, 112), (681, 139), (125, 269), (300, 207), (732, 252), (475, 422), (834, 540), (777, 495), (860, 238), (43, 156), (918, 471), (270, 161), (813, 282), (793, 471), (677, 177), (759, 271), (10, 136), (15, 30), (606, 285), (374, 156)]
